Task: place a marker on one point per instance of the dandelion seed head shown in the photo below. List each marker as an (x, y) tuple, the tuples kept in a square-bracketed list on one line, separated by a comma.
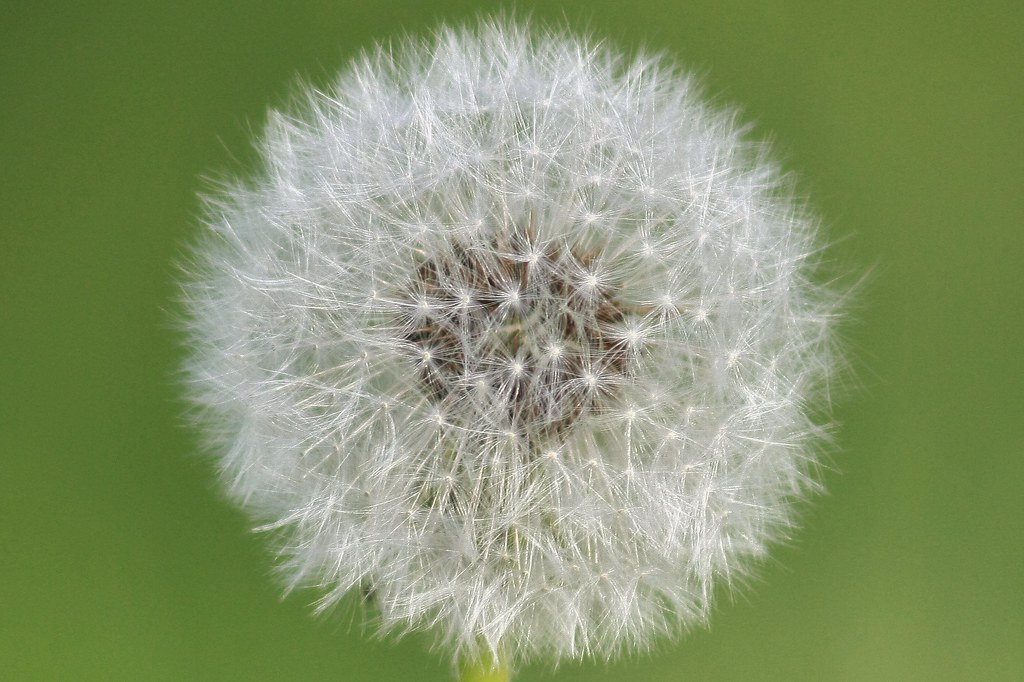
[(518, 335)]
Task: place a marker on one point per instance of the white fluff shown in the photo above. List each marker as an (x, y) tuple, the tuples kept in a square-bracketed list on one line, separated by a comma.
[(519, 336)]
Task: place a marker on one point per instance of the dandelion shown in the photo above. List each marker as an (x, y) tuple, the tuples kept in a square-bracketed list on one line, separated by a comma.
[(519, 337)]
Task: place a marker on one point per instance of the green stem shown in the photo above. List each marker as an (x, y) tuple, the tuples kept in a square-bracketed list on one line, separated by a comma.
[(485, 671)]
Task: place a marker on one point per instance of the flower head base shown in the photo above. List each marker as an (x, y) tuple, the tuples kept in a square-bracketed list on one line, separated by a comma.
[(517, 335)]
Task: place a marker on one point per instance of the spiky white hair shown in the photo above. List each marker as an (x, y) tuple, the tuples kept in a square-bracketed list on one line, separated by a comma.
[(519, 336)]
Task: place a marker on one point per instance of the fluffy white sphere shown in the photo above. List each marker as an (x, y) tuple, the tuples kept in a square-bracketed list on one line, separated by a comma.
[(517, 335)]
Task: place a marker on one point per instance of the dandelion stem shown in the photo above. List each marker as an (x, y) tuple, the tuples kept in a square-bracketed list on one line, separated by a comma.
[(486, 670)]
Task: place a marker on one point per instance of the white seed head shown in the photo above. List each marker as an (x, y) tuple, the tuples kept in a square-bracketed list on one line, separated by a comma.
[(517, 335)]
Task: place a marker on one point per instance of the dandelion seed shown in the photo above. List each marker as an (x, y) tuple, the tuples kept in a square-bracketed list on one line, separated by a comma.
[(579, 390)]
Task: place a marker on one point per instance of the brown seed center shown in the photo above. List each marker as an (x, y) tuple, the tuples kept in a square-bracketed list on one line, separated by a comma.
[(517, 337)]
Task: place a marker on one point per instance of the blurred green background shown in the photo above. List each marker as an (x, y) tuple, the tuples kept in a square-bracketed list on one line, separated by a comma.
[(119, 560)]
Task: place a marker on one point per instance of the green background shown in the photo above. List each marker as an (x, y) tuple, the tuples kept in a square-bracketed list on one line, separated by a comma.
[(120, 560)]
